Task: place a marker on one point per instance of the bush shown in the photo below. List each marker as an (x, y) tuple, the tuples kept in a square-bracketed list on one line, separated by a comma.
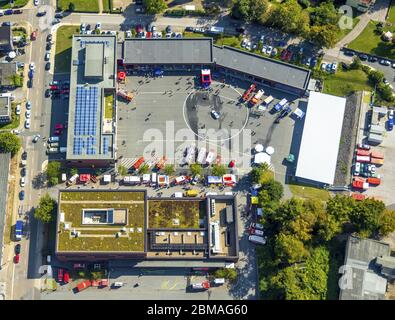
[(183, 13), (9, 143), (227, 273), (304, 3)]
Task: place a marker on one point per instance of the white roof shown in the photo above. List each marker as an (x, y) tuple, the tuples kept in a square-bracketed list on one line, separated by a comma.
[(262, 158), (321, 137)]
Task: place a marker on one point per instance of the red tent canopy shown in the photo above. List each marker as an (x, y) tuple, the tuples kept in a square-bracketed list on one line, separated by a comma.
[(85, 177), (121, 75)]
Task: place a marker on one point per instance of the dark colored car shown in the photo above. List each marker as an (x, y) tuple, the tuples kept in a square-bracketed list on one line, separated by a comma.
[(17, 11), (59, 15), (8, 12), (363, 57), (24, 155), (313, 62), (23, 172), (18, 249), (240, 30), (189, 29), (48, 46), (48, 66), (139, 2), (42, 13), (49, 37), (168, 29), (6, 24), (139, 28), (47, 93), (22, 195), (373, 59)]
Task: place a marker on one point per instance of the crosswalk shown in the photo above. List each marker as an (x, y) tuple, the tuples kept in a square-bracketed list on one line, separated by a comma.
[(128, 162)]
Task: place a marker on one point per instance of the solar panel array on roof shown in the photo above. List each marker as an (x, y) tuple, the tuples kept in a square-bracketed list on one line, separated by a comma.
[(85, 120), (106, 145)]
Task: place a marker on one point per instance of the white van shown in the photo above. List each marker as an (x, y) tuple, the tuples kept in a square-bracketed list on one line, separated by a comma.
[(53, 139), (257, 239), (153, 179), (219, 281), (268, 101)]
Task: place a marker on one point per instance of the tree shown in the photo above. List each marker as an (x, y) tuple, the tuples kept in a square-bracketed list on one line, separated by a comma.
[(386, 93), (9, 143), (288, 249), (73, 171), (274, 188), (261, 174), (218, 170), (144, 169), (46, 209), (386, 222), (366, 216), (53, 172), (196, 169), (325, 14), (340, 207), (257, 9), (71, 6), (290, 18), (356, 63), (240, 9), (324, 36), (375, 77), (169, 169), (227, 273), (122, 170), (154, 6)]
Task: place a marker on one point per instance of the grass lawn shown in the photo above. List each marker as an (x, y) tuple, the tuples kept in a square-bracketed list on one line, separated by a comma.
[(306, 192), (162, 212), (102, 196), (342, 83), (370, 42), (391, 14), (344, 32), (106, 6), (63, 48), (108, 105), (80, 5), (5, 4), (15, 120)]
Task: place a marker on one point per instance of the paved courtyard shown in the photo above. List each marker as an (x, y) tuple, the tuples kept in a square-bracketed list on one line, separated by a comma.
[(169, 114)]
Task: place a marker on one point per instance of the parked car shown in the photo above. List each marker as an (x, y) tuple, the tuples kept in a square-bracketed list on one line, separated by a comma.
[(47, 93), (47, 56), (390, 120), (269, 50), (28, 114), (168, 29), (17, 11), (32, 66), (18, 109), (27, 123), (385, 62), (17, 249), (215, 114), (256, 225), (128, 34), (49, 37), (48, 66), (48, 46), (36, 2), (23, 172), (372, 59), (28, 105), (22, 195), (22, 182), (41, 13), (16, 258), (256, 232), (8, 12), (98, 26), (363, 57), (334, 67), (189, 29), (60, 275)]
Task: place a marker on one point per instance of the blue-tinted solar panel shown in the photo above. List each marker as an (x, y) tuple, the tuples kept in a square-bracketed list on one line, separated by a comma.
[(85, 120), (106, 142)]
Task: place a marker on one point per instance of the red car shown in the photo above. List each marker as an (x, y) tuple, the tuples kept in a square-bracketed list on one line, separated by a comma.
[(59, 126), (288, 56), (139, 28), (283, 54), (53, 87), (16, 258), (60, 275), (66, 277)]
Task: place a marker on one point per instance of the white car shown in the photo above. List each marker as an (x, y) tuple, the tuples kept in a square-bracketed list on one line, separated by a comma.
[(257, 232), (28, 114), (36, 137), (128, 34), (323, 66), (22, 182), (32, 66), (334, 67), (114, 33), (16, 131), (264, 49), (215, 114), (269, 50), (357, 168), (18, 109), (28, 105), (393, 65), (256, 225), (47, 56), (27, 123), (244, 43), (391, 114), (274, 52), (98, 26), (36, 2), (248, 45)]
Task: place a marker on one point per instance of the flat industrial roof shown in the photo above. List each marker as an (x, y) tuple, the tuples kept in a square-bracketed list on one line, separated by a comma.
[(256, 65), (168, 51), (92, 76), (321, 137)]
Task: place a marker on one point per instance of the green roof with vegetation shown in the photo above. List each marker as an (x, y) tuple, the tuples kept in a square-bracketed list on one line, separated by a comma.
[(178, 214), (102, 237)]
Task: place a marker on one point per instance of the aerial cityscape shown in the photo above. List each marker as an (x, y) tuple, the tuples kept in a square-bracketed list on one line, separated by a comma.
[(197, 150)]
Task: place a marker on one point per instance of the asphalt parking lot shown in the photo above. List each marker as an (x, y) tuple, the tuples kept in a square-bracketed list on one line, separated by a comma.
[(166, 112)]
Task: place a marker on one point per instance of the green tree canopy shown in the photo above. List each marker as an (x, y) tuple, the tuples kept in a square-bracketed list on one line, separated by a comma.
[(46, 209), (53, 172), (154, 6), (169, 169), (274, 188), (144, 169), (218, 170), (9, 143), (196, 169), (324, 14), (376, 77), (122, 170), (288, 249), (323, 36)]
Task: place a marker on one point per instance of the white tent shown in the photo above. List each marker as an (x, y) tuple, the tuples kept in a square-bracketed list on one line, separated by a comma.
[(269, 150), (262, 158), (259, 148), (321, 138), (107, 178)]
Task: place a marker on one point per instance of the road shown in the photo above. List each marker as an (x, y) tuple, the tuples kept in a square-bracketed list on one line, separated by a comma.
[(22, 277)]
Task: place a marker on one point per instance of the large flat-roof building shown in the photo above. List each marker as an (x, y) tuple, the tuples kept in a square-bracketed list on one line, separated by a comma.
[(361, 278), (125, 224), (319, 148), (5, 109), (195, 53), (92, 107)]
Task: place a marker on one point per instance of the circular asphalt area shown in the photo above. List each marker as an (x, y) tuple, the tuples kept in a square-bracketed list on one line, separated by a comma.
[(198, 116)]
